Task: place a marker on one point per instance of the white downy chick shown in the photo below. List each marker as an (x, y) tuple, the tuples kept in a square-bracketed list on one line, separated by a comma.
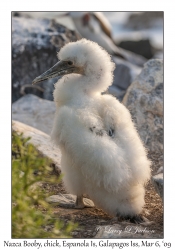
[(102, 153)]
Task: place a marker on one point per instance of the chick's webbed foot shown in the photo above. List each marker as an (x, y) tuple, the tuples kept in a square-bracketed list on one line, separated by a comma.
[(79, 204)]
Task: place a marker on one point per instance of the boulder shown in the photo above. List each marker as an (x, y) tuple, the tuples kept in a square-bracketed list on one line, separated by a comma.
[(41, 141), (34, 111), (144, 99), (35, 43)]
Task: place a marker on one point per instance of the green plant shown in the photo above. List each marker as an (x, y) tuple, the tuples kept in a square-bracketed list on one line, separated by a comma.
[(30, 213)]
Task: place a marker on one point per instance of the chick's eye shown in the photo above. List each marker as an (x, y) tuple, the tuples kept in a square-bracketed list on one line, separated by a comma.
[(69, 62)]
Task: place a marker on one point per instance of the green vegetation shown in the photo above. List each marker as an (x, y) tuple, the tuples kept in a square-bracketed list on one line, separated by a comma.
[(31, 215)]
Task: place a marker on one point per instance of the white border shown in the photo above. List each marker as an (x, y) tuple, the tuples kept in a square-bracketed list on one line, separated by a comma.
[(5, 94)]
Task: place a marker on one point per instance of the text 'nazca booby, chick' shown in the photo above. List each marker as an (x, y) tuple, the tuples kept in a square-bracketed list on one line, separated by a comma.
[(102, 154)]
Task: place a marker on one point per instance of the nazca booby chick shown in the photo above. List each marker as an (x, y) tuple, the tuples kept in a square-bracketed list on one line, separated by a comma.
[(102, 154)]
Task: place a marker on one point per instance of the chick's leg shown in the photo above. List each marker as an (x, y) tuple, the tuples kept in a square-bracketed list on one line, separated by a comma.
[(79, 202)]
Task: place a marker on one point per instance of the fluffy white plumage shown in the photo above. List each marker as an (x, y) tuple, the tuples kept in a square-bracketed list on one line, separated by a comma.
[(112, 170), (102, 154)]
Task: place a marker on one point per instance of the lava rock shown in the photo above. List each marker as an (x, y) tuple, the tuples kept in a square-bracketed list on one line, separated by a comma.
[(35, 43), (144, 99), (34, 111)]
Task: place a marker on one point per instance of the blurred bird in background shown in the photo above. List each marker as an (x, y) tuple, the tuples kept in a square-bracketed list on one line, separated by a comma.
[(95, 27)]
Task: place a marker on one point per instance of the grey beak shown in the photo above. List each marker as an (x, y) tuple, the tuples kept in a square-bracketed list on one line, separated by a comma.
[(60, 68)]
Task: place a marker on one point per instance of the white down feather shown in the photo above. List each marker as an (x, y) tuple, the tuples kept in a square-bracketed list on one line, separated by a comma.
[(112, 170)]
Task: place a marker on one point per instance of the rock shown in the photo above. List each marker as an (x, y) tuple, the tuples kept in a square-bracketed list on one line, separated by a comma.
[(158, 55), (145, 20), (132, 57), (67, 200), (34, 111), (34, 46), (126, 230), (116, 91), (35, 43), (124, 74), (142, 33), (141, 47), (144, 99), (157, 181), (40, 140), (74, 234)]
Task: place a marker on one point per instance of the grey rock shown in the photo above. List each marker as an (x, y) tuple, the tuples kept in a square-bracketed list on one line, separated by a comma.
[(34, 111), (157, 181), (35, 43), (116, 91), (132, 57), (141, 47), (40, 140), (67, 200), (124, 74), (144, 99), (158, 55), (126, 230), (145, 20)]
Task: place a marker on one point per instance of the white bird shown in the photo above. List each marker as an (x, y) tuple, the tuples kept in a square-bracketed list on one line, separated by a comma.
[(94, 26), (102, 154)]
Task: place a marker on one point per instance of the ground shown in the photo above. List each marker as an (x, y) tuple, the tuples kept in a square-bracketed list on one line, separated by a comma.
[(89, 218)]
